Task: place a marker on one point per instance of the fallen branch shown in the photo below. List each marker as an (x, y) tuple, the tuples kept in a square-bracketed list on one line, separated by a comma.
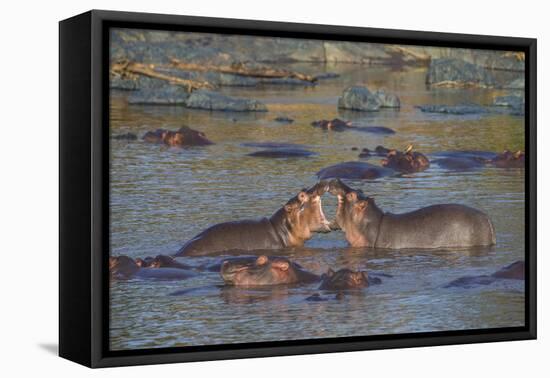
[(125, 68), (407, 51), (242, 69)]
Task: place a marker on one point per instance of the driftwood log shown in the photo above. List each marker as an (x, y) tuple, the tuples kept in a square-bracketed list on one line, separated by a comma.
[(243, 69), (128, 69)]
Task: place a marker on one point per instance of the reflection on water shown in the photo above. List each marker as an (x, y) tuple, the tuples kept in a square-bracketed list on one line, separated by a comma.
[(161, 197)]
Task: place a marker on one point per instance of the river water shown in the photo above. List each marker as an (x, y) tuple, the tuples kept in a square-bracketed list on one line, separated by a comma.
[(161, 197)]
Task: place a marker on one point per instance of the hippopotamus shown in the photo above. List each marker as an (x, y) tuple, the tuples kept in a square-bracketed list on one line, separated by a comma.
[(290, 226), (335, 125), (183, 137), (509, 159), (124, 268), (264, 270), (279, 153), (514, 271), (408, 161), (161, 261), (436, 226), (354, 170), (346, 279)]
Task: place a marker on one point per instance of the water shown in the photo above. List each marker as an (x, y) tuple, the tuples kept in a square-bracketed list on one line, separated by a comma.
[(161, 197)]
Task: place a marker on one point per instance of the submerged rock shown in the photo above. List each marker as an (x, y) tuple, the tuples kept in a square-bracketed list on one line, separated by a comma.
[(362, 99), (510, 101), (283, 119), (208, 100), (458, 73), (514, 271), (381, 130), (273, 145), (454, 109), (164, 95), (519, 83)]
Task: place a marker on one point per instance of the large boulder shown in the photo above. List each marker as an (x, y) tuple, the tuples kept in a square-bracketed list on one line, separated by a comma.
[(209, 100), (458, 73), (362, 99)]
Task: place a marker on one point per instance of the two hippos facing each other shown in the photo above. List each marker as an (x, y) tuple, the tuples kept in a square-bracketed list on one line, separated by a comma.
[(363, 222), (290, 226), (436, 226)]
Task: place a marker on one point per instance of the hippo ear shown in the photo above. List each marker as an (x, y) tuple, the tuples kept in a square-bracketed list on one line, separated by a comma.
[(361, 205), (289, 207), (303, 196), (281, 264), (330, 272), (261, 260), (351, 196)]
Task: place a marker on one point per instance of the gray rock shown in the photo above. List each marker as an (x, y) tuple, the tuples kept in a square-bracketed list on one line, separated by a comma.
[(458, 73), (510, 101), (454, 109), (165, 95), (519, 83), (361, 98), (208, 100), (388, 100), (123, 84)]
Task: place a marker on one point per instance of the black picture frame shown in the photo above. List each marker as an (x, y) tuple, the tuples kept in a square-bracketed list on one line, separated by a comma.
[(83, 196)]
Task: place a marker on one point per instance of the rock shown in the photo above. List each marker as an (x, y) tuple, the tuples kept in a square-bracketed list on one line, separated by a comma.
[(362, 99), (519, 83), (388, 100), (123, 84), (458, 73), (454, 109), (327, 75), (126, 136), (208, 100), (510, 101), (281, 153), (165, 95), (283, 119)]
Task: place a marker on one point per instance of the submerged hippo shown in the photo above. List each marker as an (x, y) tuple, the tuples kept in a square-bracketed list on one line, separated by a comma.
[(161, 261), (514, 271), (436, 226), (335, 125), (290, 226), (183, 137), (408, 161), (124, 268), (264, 270), (346, 279), (354, 170), (281, 153)]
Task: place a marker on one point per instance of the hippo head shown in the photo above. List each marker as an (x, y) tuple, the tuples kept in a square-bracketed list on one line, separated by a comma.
[(344, 279), (264, 270), (122, 267), (185, 136), (357, 215), (509, 159), (304, 214), (408, 161)]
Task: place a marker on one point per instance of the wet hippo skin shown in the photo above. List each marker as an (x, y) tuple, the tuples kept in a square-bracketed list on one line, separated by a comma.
[(514, 271), (354, 170), (346, 279), (124, 268), (264, 270), (290, 226), (436, 226)]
